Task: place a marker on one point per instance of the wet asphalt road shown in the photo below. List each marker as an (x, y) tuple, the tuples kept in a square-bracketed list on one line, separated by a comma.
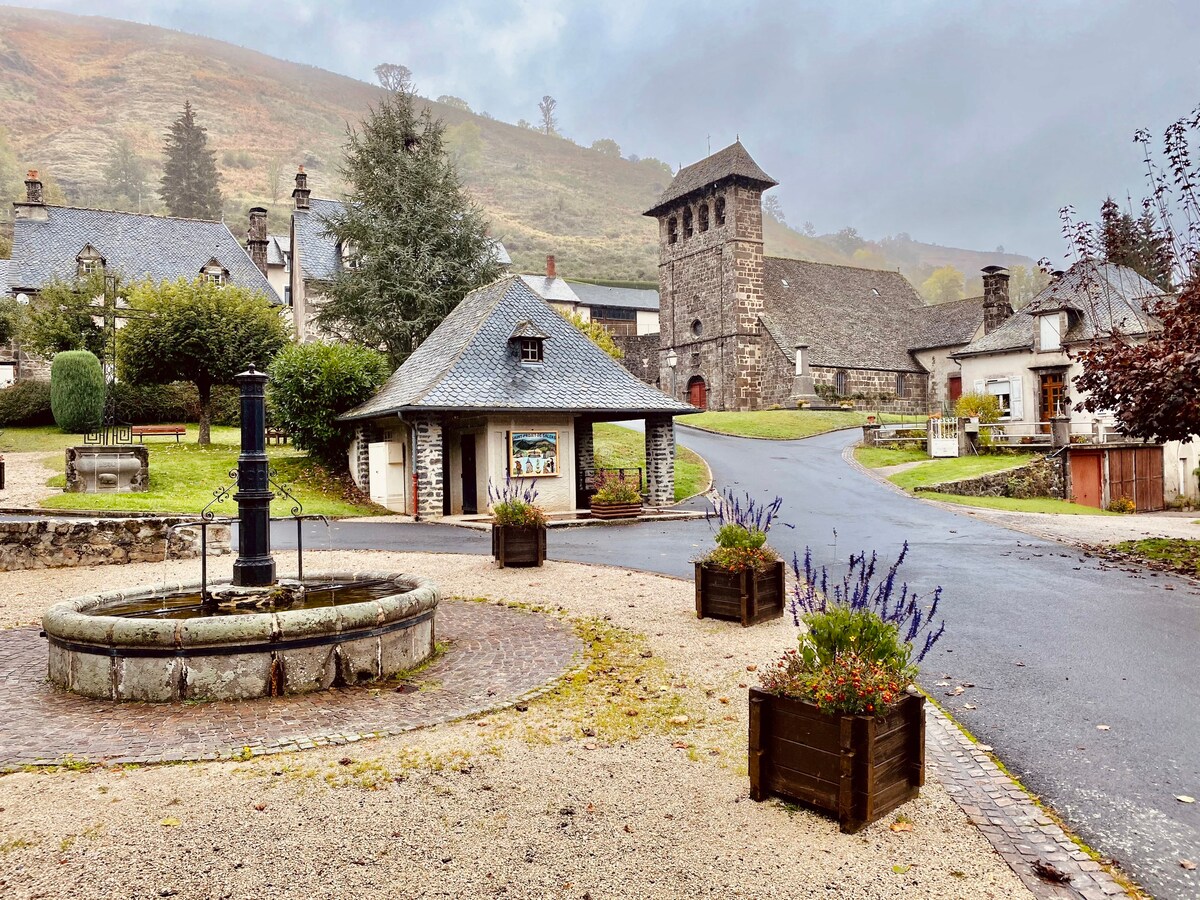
[(1054, 645)]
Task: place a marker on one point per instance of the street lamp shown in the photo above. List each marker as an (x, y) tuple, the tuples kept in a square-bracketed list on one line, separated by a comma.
[(672, 362)]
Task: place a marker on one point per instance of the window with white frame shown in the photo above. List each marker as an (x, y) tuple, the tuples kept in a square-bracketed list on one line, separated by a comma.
[(1007, 392), (1050, 331), (531, 350)]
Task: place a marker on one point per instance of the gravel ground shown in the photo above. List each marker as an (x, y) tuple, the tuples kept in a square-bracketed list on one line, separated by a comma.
[(600, 789), (25, 480)]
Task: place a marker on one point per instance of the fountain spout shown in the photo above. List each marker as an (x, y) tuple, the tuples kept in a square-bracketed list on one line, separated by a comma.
[(254, 566)]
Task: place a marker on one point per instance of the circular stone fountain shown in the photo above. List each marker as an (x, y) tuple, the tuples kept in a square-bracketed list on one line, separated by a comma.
[(254, 637), (147, 644)]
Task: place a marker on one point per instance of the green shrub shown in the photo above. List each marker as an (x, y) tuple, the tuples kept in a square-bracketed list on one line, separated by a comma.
[(738, 537), (77, 391), (312, 384), (26, 403), (985, 406), (612, 488)]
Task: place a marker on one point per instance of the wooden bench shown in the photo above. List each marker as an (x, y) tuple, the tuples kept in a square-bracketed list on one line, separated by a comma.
[(141, 431), (277, 436)]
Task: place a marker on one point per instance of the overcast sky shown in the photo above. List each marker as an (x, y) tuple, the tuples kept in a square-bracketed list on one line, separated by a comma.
[(964, 123)]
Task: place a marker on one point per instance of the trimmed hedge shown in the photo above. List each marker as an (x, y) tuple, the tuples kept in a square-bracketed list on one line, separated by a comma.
[(26, 403), (77, 391), (172, 404)]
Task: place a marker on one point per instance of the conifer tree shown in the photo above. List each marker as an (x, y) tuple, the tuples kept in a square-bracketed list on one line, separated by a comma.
[(190, 179), (412, 240)]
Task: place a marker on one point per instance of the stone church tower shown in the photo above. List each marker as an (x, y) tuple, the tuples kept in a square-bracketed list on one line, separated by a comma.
[(710, 281)]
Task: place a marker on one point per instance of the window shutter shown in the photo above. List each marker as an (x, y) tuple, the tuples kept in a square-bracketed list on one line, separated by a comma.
[(1016, 401), (979, 386)]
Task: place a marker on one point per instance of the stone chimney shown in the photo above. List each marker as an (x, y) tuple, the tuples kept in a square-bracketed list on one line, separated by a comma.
[(256, 238), (34, 207), (301, 192), (996, 305), (551, 271), (33, 189)]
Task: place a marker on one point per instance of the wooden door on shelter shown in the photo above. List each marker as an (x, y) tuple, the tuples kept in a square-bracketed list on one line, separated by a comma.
[(1086, 478), (698, 392), (470, 481)]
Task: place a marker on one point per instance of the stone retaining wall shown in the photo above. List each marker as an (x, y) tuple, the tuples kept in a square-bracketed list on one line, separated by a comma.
[(96, 542), (1041, 478)]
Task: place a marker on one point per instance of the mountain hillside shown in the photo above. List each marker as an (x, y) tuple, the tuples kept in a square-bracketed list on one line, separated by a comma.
[(72, 86)]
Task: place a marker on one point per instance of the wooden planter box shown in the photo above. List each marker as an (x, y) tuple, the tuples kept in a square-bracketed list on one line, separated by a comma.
[(517, 545), (858, 768), (600, 510), (748, 597)]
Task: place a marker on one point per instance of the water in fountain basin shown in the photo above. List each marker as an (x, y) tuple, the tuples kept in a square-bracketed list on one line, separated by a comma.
[(190, 605)]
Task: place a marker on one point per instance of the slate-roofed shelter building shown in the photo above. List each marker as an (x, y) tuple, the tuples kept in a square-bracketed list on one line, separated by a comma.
[(749, 331), (504, 388), (66, 242), (315, 257)]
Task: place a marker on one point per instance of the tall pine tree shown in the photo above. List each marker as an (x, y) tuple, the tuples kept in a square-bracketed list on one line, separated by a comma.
[(190, 179), (1135, 243), (412, 240)]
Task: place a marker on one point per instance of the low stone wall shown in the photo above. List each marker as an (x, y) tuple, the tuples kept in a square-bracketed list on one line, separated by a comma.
[(58, 543), (1040, 478)]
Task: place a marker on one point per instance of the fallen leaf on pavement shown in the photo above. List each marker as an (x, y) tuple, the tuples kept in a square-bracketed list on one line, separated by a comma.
[(169, 823), (1050, 872), (1187, 864), (901, 826), (969, 706), (1102, 728), (954, 693), (678, 720), (1184, 798)]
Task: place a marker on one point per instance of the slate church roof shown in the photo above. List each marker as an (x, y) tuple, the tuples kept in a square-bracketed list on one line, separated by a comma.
[(469, 363), (1099, 297), (733, 161), (133, 244), (849, 318)]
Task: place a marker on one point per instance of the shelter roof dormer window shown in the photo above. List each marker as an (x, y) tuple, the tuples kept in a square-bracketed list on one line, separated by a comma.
[(529, 341), (88, 261), (214, 272)]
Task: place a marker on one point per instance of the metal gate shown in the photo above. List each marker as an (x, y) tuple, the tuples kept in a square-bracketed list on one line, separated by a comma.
[(942, 437)]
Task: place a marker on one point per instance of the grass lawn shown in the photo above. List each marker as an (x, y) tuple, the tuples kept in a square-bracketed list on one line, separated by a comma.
[(1179, 554), (938, 470), (784, 424), (879, 457), (49, 438), (618, 448), (183, 476), (1032, 505)]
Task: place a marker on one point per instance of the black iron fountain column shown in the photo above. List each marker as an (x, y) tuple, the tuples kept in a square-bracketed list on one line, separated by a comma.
[(254, 566)]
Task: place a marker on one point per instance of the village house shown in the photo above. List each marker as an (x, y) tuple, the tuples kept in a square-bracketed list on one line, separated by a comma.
[(1026, 360), (505, 388), (741, 330), (63, 242)]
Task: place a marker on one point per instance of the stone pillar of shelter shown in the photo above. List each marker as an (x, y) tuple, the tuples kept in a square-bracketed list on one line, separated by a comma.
[(364, 435), (660, 460), (585, 461), (428, 465)]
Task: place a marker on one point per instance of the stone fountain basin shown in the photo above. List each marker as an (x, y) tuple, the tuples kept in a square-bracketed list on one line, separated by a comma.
[(235, 657)]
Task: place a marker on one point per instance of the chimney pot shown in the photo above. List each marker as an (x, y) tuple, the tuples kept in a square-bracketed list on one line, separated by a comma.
[(551, 271)]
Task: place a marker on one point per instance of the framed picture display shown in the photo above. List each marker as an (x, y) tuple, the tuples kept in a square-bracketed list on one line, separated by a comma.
[(533, 454)]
